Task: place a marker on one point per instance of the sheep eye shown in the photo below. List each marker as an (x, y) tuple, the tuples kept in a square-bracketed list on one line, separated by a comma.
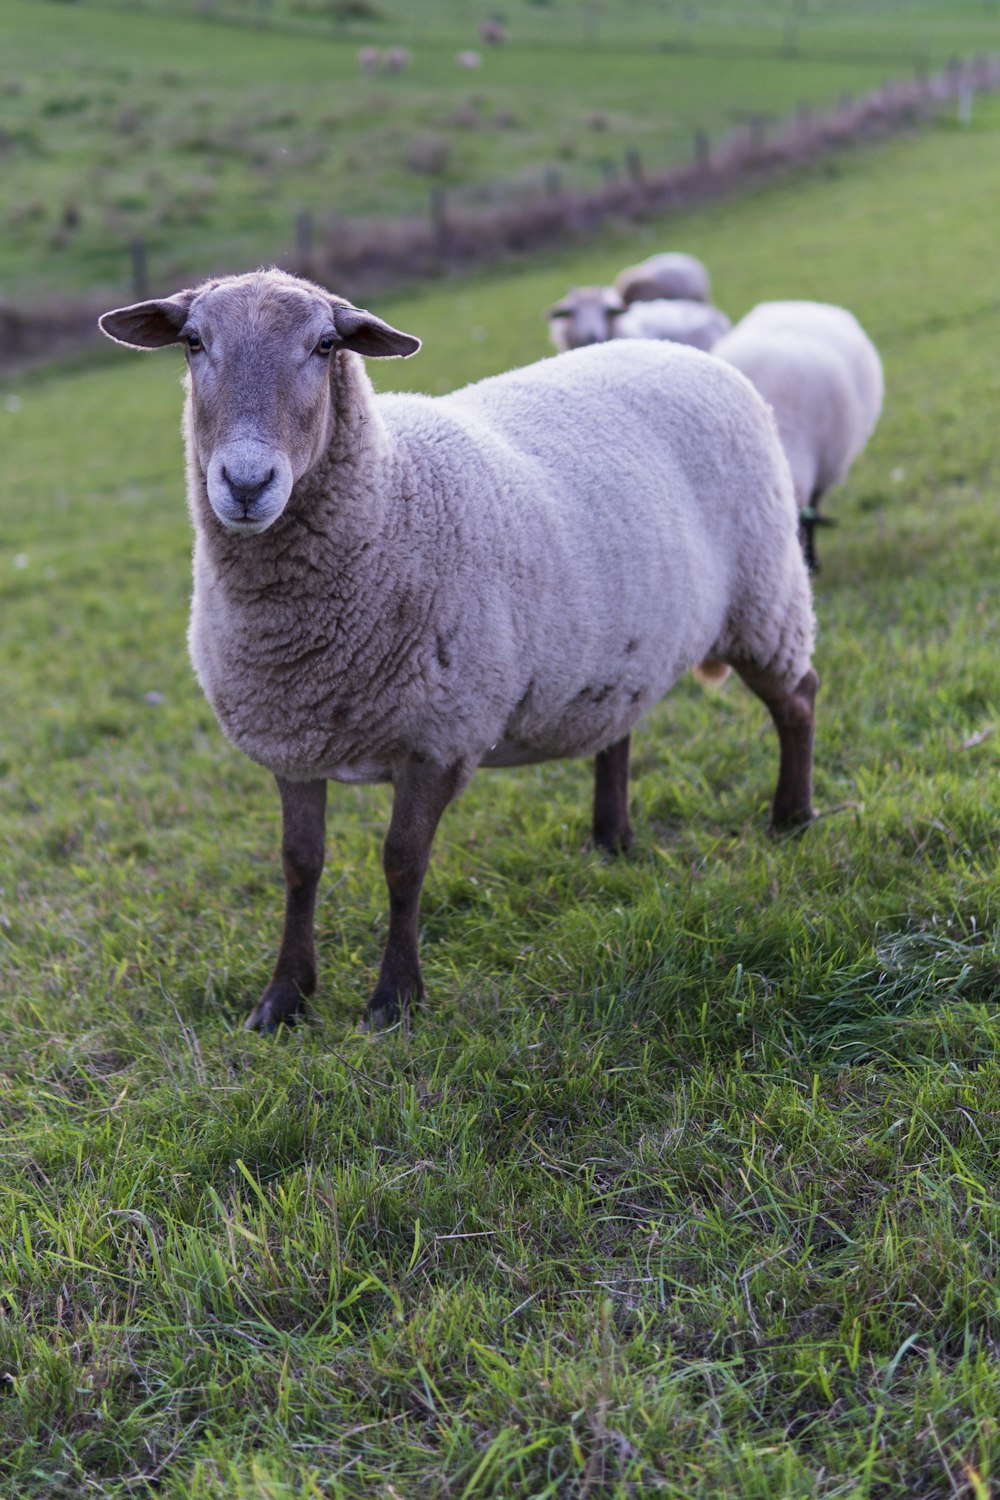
[(193, 342), (327, 344)]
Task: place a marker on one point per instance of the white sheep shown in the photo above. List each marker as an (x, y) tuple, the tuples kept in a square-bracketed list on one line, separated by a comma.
[(672, 273), (821, 374), (369, 61), (682, 321), (403, 588), (593, 314)]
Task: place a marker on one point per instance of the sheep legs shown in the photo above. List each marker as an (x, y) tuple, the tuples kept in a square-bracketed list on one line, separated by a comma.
[(612, 829), (809, 519), (303, 812), (422, 792), (794, 715)]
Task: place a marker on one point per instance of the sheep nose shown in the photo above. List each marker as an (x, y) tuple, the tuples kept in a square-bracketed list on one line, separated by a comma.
[(246, 491)]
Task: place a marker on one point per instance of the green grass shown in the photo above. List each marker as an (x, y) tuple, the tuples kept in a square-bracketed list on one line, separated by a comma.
[(686, 1182), (209, 142)]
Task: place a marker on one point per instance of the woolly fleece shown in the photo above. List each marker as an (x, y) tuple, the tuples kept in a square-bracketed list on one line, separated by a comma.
[(821, 374)]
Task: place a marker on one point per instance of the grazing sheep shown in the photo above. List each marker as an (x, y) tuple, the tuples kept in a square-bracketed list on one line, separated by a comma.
[(670, 274), (403, 588), (821, 374), (469, 60), (492, 31), (369, 61), (593, 314)]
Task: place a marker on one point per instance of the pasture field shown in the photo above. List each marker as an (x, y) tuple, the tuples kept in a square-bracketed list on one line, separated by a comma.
[(221, 145), (686, 1182)]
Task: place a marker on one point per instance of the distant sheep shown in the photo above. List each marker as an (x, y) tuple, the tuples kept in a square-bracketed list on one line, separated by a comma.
[(396, 60), (401, 588), (822, 376), (594, 314), (469, 60), (369, 61), (696, 323), (492, 32), (586, 315), (671, 274)]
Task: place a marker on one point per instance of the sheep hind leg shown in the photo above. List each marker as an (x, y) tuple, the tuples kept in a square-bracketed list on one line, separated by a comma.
[(422, 791), (794, 715), (612, 828), (303, 835)]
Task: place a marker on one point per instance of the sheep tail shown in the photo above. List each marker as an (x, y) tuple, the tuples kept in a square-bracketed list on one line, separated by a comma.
[(712, 671)]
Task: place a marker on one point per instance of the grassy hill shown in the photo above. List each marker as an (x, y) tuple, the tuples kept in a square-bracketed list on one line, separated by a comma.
[(220, 143), (686, 1184)]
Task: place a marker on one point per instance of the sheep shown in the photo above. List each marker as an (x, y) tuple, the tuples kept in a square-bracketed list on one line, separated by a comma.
[(396, 60), (684, 322), (402, 588), (369, 61), (592, 314), (586, 315), (821, 374), (492, 31), (669, 274), (469, 59)]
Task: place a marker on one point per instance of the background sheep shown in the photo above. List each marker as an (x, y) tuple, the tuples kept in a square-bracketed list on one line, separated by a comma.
[(402, 588), (672, 273), (396, 60), (822, 376), (698, 324), (586, 315), (593, 314)]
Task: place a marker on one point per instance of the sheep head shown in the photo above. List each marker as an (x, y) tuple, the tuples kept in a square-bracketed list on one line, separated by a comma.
[(584, 316), (261, 370)]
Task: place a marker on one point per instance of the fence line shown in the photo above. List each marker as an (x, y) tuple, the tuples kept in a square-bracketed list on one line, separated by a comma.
[(366, 256)]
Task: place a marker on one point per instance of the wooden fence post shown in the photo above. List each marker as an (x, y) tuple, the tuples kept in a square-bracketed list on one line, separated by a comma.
[(140, 269)]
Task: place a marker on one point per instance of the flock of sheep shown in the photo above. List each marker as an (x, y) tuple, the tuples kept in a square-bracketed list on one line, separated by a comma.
[(402, 588), (813, 363)]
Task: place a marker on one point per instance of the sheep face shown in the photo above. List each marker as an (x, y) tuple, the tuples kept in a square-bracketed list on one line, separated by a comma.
[(586, 315), (261, 352)]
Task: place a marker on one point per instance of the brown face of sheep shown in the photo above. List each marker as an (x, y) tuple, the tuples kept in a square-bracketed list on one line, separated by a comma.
[(259, 356)]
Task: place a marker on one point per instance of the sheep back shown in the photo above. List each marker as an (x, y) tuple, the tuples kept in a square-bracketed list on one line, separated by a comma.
[(681, 320), (671, 273), (822, 377)]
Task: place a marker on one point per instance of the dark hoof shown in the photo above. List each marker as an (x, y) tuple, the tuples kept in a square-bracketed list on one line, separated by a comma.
[(282, 1004), (613, 843), (786, 825), (384, 1014)]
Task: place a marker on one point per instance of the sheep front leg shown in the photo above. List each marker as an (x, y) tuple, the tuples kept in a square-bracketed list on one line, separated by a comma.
[(303, 836), (794, 715), (422, 791), (612, 828)]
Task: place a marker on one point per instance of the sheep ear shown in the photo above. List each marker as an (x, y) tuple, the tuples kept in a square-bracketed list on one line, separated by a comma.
[(365, 334), (148, 325)]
